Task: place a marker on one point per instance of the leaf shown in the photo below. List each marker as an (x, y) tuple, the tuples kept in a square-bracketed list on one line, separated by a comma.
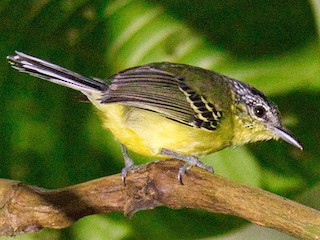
[(236, 164), (99, 227)]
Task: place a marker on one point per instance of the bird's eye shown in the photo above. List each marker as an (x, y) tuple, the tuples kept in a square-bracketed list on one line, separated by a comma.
[(259, 111)]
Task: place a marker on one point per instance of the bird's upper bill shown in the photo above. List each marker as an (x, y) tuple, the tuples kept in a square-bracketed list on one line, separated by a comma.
[(285, 135)]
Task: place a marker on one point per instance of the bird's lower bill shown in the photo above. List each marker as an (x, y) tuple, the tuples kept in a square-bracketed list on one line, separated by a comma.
[(285, 135)]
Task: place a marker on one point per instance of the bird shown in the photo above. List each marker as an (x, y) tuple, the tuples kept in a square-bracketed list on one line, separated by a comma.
[(174, 110)]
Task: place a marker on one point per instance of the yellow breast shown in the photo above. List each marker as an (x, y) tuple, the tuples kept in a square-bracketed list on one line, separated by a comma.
[(146, 132)]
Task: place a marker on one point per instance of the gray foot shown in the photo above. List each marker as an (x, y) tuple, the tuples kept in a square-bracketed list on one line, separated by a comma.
[(129, 164), (190, 161)]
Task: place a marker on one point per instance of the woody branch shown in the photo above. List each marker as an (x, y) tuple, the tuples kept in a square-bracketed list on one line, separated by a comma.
[(25, 208)]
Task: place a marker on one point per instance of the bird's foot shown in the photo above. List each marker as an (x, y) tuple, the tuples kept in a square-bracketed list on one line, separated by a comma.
[(190, 161), (125, 171), (129, 164)]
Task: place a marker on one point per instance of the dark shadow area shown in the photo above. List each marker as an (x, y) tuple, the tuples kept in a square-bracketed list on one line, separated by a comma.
[(248, 29)]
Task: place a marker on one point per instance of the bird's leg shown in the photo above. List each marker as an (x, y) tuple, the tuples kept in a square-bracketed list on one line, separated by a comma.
[(129, 164), (190, 161)]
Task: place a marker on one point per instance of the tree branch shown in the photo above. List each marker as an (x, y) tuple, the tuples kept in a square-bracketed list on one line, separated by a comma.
[(25, 208)]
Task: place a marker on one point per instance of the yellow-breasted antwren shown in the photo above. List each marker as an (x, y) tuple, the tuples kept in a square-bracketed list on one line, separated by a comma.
[(169, 109)]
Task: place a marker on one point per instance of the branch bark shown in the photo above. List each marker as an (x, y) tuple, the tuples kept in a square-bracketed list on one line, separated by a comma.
[(25, 208)]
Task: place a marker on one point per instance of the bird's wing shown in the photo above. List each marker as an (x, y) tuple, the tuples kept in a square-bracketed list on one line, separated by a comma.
[(165, 93)]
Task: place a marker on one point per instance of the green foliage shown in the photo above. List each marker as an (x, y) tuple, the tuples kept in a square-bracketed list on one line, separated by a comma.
[(51, 139)]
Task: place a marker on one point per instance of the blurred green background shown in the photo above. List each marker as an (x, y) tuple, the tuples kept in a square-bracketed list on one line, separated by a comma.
[(50, 138)]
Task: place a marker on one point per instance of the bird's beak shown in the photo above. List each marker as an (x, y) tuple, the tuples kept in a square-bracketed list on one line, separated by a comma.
[(285, 135)]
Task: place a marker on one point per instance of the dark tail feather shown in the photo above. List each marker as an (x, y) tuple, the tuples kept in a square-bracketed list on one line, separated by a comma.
[(56, 74)]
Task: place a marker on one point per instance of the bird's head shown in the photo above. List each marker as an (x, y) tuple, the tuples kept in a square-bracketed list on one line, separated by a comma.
[(256, 118)]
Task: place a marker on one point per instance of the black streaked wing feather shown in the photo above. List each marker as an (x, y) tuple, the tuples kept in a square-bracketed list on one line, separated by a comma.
[(150, 89), (162, 92)]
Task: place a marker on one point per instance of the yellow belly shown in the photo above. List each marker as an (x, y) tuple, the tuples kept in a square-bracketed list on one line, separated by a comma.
[(146, 132)]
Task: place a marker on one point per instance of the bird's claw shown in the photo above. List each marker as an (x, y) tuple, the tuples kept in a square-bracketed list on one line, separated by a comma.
[(185, 167), (124, 173)]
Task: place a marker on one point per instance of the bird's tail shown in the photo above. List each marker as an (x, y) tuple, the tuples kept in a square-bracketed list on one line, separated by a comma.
[(56, 74)]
